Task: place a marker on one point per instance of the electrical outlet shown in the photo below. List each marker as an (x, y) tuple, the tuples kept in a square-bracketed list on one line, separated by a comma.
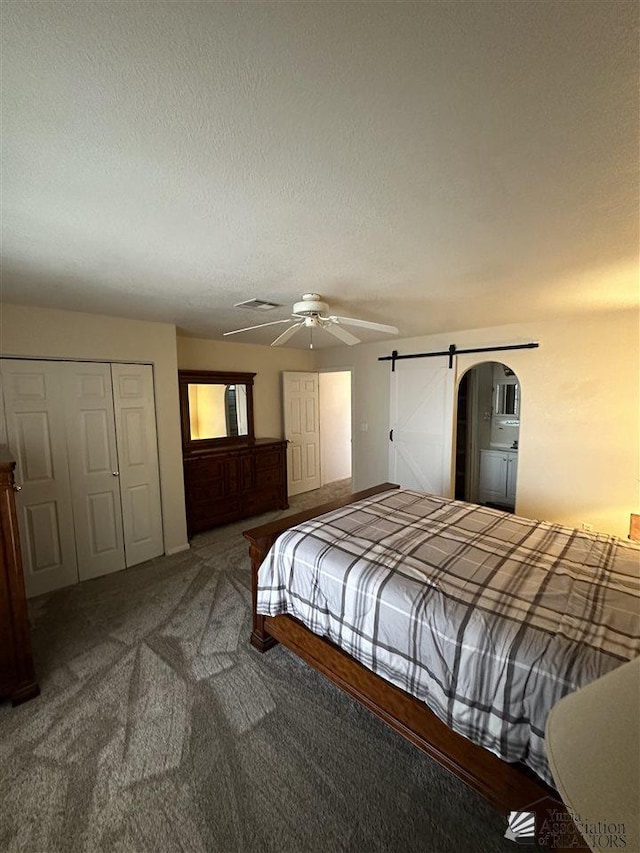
[(587, 527)]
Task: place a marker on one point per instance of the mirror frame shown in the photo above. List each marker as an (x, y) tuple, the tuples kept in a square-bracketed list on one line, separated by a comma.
[(213, 377), (516, 399)]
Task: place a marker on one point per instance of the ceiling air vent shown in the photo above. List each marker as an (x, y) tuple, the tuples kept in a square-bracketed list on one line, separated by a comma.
[(257, 305)]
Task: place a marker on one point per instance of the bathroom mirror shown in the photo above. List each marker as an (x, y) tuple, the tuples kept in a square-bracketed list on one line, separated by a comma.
[(507, 401), (216, 408)]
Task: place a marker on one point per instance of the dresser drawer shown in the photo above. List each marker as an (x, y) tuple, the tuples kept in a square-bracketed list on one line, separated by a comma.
[(262, 501), (268, 477), (208, 471), (204, 493), (268, 459), (204, 470), (205, 516)]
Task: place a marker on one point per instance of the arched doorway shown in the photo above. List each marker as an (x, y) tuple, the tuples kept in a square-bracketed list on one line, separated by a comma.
[(487, 435)]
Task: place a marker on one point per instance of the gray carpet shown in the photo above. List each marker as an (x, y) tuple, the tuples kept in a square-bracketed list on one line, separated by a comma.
[(160, 729)]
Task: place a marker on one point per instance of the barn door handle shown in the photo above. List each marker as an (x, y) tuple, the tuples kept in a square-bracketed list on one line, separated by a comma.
[(391, 436)]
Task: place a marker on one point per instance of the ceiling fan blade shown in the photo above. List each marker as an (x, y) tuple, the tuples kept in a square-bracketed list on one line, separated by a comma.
[(259, 326), (288, 333), (344, 336), (366, 324)]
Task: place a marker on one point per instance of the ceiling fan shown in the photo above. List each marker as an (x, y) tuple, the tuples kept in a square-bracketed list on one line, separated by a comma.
[(312, 313)]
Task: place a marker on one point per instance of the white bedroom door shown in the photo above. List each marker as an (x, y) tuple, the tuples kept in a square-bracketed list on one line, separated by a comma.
[(134, 406), (421, 426), (35, 422), (93, 468), (302, 430)]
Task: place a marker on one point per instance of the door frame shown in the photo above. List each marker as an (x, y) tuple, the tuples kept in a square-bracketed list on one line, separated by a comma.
[(347, 369), (351, 370), (472, 450)]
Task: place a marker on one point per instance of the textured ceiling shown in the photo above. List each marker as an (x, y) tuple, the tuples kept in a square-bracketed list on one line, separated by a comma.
[(438, 166)]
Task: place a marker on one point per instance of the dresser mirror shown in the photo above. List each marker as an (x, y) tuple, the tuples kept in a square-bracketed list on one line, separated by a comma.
[(216, 408)]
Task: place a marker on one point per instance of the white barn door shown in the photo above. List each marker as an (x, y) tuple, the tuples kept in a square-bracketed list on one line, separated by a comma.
[(421, 424), (302, 430)]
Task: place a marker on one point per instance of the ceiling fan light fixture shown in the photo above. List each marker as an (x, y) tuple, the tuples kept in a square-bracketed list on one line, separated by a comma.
[(311, 312), (311, 305)]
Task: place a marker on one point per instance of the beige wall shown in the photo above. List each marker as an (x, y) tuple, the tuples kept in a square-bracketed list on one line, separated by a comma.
[(579, 457), (266, 362), (579, 454), (44, 333)]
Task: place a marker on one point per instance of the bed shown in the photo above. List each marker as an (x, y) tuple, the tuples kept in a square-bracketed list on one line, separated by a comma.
[(502, 617)]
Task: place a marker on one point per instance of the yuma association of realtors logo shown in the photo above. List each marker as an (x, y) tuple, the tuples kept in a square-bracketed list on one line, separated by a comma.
[(522, 827), (548, 823)]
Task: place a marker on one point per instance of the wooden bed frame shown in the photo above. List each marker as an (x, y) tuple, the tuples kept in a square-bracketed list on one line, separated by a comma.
[(506, 786)]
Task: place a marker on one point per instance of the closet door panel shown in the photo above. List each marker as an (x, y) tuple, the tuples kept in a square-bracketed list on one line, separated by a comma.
[(93, 461), (35, 429), (138, 458)]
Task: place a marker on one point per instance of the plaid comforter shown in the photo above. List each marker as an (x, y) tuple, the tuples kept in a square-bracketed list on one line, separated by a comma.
[(487, 617)]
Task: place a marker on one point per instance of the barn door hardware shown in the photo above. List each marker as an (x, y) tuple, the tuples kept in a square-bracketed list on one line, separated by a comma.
[(453, 350), (391, 435)]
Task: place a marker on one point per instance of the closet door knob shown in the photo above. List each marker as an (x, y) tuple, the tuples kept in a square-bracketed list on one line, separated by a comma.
[(17, 488), (116, 473)]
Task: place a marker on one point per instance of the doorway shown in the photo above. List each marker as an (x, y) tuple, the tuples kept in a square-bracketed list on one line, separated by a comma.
[(317, 426), (335, 426), (487, 436)]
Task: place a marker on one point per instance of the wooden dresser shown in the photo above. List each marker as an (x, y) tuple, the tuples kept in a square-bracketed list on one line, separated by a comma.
[(17, 679), (232, 482)]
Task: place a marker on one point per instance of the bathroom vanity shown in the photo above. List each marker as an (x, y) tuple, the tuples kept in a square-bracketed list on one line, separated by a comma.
[(498, 477)]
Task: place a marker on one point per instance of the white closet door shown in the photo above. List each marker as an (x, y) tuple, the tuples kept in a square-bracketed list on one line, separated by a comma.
[(302, 430), (134, 406), (93, 461), (35, 424), (420, 452)]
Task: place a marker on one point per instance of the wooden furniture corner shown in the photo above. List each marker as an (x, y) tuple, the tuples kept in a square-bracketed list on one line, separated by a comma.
[(17, 678)]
